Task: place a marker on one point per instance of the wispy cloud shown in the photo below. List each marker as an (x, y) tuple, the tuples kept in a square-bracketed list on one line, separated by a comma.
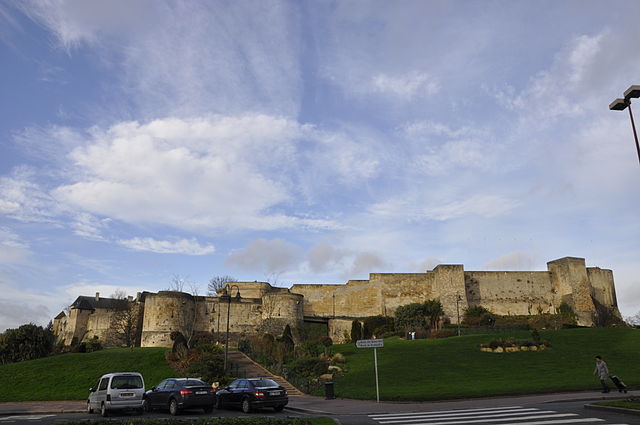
[(180, 246)]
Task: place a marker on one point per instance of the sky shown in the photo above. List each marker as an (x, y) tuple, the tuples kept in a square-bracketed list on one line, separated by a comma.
[(310, 142)]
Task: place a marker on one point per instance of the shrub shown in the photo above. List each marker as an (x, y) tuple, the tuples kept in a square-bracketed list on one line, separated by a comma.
[(27, 342), (356, 330), (442, 333), (209, 367), (308, 367)]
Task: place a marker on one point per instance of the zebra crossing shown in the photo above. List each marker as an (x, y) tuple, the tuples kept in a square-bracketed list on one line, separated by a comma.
[(513, 415)]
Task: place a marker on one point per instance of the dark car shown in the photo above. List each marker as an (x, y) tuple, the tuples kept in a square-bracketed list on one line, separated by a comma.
[(250, 394), (176, 394)]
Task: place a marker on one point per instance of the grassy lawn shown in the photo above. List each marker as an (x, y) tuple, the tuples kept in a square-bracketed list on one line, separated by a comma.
[(69, 376), (621, 403), (454, 368)]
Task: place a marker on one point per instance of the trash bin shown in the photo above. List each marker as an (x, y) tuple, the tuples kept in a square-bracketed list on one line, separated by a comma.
[(328, 391)]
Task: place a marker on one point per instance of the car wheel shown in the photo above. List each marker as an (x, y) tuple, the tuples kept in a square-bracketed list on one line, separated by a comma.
[(89, 408), (219, 404), (103, 411), (278, 408), (246, 405), (146, 406), (173, 407), (208, 409)]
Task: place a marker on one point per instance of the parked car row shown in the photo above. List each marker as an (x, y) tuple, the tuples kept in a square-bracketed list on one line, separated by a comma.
[(126, 391)]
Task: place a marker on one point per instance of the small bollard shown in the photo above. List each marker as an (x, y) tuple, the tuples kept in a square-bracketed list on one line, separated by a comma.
[(328, 391)]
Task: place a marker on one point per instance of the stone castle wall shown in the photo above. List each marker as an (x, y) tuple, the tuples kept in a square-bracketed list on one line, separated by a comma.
[(266, 309)]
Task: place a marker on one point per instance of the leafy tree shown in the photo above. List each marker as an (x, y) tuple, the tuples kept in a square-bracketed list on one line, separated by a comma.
[(433, 311), (410, 317), (356, 330), (567, 314), (217, 283), (27, 342)]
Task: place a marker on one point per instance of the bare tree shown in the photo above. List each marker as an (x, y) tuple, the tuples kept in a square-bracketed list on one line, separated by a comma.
[(124, 324), (177, 283), (633, 320), (273, 278), (217, 283), (119, 294)]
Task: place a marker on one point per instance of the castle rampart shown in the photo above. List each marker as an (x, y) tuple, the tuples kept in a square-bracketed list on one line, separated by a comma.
[(262, 308)]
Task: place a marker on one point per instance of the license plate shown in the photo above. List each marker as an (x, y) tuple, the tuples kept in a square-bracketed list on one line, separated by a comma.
[(274, 393), (202, 392), (126, 394)]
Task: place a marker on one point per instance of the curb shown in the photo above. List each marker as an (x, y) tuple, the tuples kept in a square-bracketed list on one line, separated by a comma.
[(40, 412), (624, 410), (302, 410)]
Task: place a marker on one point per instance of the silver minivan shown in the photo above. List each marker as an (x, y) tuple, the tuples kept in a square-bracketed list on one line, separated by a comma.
[(117, 391)]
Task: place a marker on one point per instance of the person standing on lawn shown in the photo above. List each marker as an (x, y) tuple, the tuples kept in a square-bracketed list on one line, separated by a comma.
[(603, 373)]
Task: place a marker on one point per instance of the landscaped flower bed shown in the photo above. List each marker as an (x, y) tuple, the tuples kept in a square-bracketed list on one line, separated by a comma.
[(512, 346)]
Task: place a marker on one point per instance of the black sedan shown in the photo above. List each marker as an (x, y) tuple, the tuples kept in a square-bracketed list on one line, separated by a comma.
[(176, 394), (250, 394)]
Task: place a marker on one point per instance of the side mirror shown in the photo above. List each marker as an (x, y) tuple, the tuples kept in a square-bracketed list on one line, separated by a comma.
[(92, 390), (154, 389)]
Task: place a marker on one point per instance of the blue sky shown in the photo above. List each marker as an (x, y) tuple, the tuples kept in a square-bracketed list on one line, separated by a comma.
[(309, 142)]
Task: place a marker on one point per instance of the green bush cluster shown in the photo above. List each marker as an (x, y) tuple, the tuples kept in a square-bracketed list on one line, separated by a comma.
[(27, 342), (204, 359)]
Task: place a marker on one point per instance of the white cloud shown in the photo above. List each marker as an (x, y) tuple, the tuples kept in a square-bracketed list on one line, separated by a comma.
[(517, 260), (180, 246), (189, 174), (476, 205), (12, 249), (14, 314), (23, 199), (406, 86), (365, 263), (482, 205), (269, 256)]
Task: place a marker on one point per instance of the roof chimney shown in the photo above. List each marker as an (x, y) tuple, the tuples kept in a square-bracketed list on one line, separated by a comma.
[(97, 296)]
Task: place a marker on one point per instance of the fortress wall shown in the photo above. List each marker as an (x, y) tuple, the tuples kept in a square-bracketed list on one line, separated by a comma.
[(337, 329), (165, 312), (79, 321), (283, 305), (511, 292), (397, 289), (249, 289), (449, 285), (571, 282), (98, 324), (325, 300), (602, 286)]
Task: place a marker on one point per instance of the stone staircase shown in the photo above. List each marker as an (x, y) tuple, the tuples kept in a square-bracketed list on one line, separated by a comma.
[(244, 367)]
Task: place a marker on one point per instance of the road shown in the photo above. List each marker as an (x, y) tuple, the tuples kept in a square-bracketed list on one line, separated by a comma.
[(558, 413)]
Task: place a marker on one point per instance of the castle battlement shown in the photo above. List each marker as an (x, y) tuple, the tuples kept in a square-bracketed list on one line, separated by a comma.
[(263, 308)]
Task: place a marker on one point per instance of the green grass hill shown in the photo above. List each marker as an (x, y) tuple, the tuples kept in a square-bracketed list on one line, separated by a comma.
[(454, 368), (69, 376)]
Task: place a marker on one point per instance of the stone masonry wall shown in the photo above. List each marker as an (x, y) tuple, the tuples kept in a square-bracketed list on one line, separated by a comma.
[(508, 293)]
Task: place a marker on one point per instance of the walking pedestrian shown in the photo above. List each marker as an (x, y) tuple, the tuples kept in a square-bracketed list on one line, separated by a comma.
[(603, 373)]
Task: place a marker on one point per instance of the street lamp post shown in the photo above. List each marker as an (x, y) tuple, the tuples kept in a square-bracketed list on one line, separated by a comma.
[(458, 299), (227, 297), (622, 104)]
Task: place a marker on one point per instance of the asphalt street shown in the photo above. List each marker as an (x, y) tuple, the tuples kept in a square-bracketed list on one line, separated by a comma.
[(550, 409)]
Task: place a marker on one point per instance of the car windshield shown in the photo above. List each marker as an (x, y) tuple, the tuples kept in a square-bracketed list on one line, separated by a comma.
[(264, 383), (126, 382), (193, 383)]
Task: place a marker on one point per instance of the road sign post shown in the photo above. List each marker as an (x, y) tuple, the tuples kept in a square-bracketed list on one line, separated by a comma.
[(375, 344)]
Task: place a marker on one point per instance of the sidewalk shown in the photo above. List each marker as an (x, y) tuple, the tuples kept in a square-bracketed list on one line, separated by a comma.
[(320, 406)]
